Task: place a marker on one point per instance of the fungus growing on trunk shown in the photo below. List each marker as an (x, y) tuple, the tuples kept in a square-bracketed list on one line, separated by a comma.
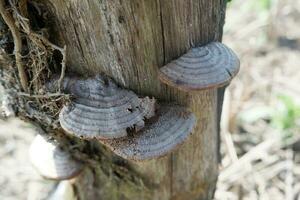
[(170, 127), (51, 161), (210, 66), (102, 110)]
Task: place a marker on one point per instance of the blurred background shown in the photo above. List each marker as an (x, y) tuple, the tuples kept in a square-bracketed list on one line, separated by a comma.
[(261, 115)]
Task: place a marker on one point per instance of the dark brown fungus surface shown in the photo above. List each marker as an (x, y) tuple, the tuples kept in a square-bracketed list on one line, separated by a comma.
[(102, 110), (171, 127), (210, 66), (52, 162)]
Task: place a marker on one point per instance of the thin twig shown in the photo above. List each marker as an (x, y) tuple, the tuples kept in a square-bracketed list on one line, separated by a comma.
[(7, 17), (33, 36), (225, 134), (63, 67), (48, 95), (247, 158), (289, 180)]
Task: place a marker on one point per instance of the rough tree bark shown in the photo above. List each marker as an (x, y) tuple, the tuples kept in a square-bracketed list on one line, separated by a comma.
[(129, 40)]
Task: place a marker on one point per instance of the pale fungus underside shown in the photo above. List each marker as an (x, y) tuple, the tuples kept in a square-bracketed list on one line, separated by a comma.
[(102, 110), (52, 162), (210, 66), (172, 125)]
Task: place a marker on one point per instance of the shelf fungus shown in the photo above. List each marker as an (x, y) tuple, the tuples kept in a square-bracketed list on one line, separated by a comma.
[(210, 66), (52, 162), (166, 131), (100, 109)]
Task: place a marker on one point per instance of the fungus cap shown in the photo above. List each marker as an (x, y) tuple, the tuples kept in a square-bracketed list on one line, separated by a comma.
[(102, 110), (51, 161), (210, 66), (171, 127)]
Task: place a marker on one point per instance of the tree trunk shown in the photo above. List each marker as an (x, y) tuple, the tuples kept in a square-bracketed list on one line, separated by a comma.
[(129, 40)]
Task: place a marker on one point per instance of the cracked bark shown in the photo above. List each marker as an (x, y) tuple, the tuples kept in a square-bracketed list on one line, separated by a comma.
[(129, 40)]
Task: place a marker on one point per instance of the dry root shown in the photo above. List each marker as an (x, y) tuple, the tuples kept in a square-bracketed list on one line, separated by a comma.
[(33, 50)]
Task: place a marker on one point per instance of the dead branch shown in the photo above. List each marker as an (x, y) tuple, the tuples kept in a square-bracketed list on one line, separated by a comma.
[(63, 67), (46, 96)]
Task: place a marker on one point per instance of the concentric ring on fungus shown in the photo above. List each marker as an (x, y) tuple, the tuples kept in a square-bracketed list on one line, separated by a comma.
[(210, 66), (51, 161), (173, 125), (102, 110)]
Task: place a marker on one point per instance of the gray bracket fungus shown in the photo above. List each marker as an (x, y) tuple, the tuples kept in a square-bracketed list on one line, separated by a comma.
[(51, 161), (102, 110), (210, 66), (172, 126)]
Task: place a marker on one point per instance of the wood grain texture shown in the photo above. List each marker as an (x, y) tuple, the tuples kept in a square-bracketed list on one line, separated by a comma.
[(129, 40)]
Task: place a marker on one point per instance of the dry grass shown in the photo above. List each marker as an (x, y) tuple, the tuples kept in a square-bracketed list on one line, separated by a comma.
[(260, 124)]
